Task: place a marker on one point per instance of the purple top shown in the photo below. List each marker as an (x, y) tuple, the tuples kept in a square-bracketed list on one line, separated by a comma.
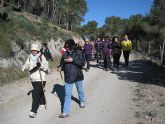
[(106, 47), (88, 48), (98, 44)]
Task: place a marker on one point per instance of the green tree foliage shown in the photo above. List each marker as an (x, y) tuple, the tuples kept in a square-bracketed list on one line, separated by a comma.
[(72, 12), (91, 29), (135, 30), (113, 26), (157, 19), (37, 7), (67, 14), (146, 32), (157, 13)]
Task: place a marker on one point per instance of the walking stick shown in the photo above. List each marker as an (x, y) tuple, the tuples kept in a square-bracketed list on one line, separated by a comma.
[(43, 88), (62, 80), (30, 91), (61, 75)]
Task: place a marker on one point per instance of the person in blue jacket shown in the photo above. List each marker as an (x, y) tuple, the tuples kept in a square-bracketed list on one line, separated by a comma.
[(71, 63)]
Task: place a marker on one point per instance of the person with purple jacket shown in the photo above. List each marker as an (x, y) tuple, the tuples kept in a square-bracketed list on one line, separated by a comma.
[(106, 44), (88, 48), (98, 49)]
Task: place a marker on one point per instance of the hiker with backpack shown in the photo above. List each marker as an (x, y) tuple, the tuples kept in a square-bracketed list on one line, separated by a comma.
[(116, 52), (71, 63), (37, 65), (46, 52), (88, 49), (126, 47)]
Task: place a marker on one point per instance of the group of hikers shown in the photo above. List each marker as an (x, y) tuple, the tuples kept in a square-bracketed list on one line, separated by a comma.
[(74, 57), (107, 49)]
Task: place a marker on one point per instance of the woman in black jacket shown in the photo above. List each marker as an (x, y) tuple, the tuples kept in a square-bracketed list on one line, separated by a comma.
[(71, 63), (116, 51)]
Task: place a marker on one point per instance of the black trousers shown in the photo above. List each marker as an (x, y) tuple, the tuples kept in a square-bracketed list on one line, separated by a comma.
[(37, 95), (106, 60), (126, 57), (88, 58), (116, 59), (99, 55)]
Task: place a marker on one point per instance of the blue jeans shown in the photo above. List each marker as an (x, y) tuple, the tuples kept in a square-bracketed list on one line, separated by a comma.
[(68, 95)]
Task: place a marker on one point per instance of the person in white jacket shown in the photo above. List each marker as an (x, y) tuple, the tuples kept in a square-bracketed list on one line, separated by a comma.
[(38, 66)]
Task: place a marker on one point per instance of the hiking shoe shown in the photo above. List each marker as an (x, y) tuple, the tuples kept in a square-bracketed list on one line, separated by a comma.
[(86, 69), (42, 107), (82, 105), (63, 115), (32, 115)]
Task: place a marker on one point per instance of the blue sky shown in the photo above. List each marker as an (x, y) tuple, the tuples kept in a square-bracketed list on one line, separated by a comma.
[(98, 10)]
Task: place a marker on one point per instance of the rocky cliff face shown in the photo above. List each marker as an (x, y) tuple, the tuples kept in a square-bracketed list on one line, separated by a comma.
[(19, 53)]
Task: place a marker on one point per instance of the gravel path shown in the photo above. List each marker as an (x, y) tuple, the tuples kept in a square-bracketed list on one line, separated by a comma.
[(109, 101)]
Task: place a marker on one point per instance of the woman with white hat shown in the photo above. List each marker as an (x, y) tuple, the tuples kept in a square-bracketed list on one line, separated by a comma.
[(37, 65)]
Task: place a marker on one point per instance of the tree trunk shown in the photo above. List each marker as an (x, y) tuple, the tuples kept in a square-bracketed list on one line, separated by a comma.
[(67, 25), (2, 3), (149, 47), (162, 53), (45, 11), (26, 4), (136, 44), (18, 3), (59, 20), (50, 9), (71, 27)]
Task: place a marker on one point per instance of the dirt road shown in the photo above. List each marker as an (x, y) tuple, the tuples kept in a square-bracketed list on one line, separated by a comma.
[(108, 101)]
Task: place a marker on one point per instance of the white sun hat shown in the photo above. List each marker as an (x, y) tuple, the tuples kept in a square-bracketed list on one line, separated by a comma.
[(35, 47), (87, 40)]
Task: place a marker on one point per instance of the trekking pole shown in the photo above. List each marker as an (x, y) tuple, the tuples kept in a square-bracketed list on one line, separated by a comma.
[(28, 81), (60, 72), (62, 80), (61, 75), (29, 92), (43, 88)]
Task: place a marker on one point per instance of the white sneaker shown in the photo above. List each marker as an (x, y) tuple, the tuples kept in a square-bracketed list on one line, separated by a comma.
[(32, 115), (41, 107), (63, 115), (82, 105)]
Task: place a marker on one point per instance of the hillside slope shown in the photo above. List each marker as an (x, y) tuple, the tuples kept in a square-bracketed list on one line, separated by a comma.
[(17, 32)]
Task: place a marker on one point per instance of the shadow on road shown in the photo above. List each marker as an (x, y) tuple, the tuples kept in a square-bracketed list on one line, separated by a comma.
[(59, 91), (98, 65), (143, 71)]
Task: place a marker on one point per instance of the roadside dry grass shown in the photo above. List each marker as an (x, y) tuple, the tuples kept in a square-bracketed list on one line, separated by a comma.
[(150, 93), (53, 64), (9, 74), (151, 101), (14, 73)]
